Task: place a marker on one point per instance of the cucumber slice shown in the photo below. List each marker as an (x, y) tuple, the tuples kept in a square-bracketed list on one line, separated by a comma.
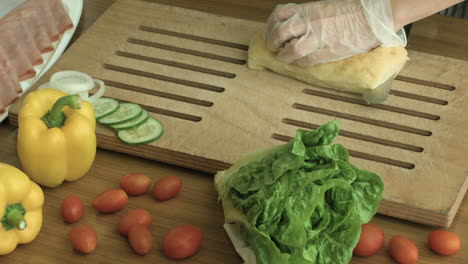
[(133, 123), (147, 132), (125, 113), (104, 107)]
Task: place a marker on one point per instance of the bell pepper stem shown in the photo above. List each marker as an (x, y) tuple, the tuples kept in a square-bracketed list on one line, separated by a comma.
[(16, 219), (55, 117)]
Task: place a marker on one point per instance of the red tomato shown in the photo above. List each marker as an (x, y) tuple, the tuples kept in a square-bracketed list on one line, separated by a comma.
[(444, 242), (372, 240), (135, 183), (183, 241), (72, 209), (134, 217), (83, 238), (403, 250), (167, 187), (140, 239), (111, 201)]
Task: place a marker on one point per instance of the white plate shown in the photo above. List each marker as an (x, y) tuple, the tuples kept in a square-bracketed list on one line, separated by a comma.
[(74, 9)]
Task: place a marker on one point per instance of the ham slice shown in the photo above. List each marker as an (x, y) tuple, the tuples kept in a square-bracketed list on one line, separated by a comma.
[(25, 33), (16, 33), (47, 15), (43, 10), (8, 89), (8, 69), (62, 19), (36, 26), (14, 55)]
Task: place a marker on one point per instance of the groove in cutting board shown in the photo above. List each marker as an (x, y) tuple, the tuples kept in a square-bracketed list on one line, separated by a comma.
[(363, 120), (360, 155), (142, 90), (419, 97), (194, 37), (358, 136), (185, 51), (394, 92), (425, 83), (175, 64), (165, 78), (377, 106), (170, 113), (166, 112)]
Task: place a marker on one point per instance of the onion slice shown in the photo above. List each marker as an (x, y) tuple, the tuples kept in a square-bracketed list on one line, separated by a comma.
[(75, 82), (100, 91)]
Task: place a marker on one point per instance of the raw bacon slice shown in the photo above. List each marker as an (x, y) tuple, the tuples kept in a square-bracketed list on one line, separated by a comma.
[(37, 28)]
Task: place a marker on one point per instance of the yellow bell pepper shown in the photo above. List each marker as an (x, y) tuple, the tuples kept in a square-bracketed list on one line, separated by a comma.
[(55, 145), (20, 208)]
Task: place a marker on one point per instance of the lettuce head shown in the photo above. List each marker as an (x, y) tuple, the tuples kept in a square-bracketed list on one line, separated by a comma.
[(302, 202)]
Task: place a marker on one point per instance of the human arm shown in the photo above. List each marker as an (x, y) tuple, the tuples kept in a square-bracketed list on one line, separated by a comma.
[(324, 31), (408, 11)]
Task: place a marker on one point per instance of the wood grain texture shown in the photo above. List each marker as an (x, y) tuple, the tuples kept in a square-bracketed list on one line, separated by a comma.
[(160, 49), (440, 35), (53, 247), (196, 205)]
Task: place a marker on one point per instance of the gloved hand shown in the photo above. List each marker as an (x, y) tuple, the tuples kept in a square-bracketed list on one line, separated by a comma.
[(324, 31)]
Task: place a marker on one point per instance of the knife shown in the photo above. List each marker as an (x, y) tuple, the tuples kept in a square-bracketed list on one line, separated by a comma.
[(380, 93)]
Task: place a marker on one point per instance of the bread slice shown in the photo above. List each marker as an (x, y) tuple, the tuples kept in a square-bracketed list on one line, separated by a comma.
[(360, 73)]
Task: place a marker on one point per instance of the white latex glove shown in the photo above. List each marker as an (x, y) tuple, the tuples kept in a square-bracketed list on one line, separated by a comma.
[(324, 31)]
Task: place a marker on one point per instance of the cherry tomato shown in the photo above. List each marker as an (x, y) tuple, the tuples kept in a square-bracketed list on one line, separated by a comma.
[(444, 242), (140, 239), (403, 250), (167, 187), (72, 209), (183, 241), (135, 183), (134, 217), (372, 240), (111, 201), (83, 238)]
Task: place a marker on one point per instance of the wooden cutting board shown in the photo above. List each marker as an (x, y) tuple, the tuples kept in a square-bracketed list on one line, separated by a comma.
[(188, 69)]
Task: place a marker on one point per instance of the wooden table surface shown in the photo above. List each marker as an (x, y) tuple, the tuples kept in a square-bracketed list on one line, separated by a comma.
[(197, 204)]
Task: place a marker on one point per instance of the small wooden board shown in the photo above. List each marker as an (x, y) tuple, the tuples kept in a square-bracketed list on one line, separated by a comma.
[(188, 69)]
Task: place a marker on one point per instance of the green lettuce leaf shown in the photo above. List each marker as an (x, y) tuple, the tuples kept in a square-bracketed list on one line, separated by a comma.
[(304, 202)]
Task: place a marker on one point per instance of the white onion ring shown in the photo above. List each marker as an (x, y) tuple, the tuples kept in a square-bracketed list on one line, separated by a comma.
[(75, 82)]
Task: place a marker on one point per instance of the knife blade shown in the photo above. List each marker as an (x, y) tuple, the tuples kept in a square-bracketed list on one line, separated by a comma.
[(380, 93)]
